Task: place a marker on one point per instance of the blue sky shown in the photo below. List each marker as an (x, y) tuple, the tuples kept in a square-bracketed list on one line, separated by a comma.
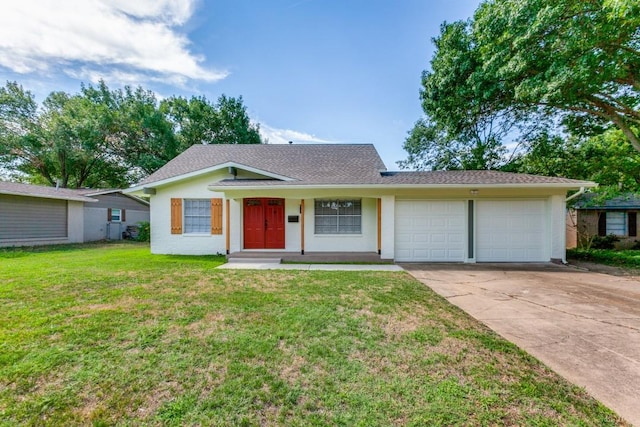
[(308, 70)]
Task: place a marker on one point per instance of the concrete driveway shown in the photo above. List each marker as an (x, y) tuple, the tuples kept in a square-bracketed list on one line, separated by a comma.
[(584, 325)]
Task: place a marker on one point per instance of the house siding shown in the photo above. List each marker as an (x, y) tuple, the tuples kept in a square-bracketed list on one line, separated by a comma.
[(32, 218), (76, 221), (96, 216), (39, 221), (162, 241), (366, 241), (95, 223)]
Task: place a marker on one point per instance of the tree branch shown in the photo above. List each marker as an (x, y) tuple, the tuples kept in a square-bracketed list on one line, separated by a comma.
[(612, 114)]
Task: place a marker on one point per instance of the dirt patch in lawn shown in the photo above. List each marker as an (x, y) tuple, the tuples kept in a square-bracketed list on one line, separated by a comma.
[(126, 303), (211, 323)]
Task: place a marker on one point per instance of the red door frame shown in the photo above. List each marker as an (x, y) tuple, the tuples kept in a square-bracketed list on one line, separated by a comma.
[(263, 223)]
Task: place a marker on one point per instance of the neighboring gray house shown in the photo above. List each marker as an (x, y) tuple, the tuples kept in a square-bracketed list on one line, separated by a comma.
[(39, 215), (113, 212), (36, 215)]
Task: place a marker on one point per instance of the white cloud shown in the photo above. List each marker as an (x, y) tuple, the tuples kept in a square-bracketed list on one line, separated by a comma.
[(130, 38), (121, 77), (283, 136)]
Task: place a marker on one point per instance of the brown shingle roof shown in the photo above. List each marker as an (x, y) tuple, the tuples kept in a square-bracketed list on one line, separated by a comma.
[(308, 163), (474, 177), (330, 164), (15, 188)]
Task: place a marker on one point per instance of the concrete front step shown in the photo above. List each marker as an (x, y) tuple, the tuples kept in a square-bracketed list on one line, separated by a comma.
[(255, 260)]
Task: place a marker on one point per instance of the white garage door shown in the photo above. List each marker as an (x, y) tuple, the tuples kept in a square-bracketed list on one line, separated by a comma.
[(511, 231), (431, 231)]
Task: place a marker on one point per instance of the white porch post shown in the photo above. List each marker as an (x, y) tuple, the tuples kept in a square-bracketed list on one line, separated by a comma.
[(302, 230), (235, 233), (227, 229), (557, 231), (387, 237)]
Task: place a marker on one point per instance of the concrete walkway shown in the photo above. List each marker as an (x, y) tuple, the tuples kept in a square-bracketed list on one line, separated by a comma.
[(583, 325), (257, 265)]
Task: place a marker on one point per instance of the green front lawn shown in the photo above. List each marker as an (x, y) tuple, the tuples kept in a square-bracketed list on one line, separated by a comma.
[(108, 334)]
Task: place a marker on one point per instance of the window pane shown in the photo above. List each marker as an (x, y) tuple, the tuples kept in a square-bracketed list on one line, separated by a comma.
[(349, 225), (338, 216), (197, 216), (616, 223)]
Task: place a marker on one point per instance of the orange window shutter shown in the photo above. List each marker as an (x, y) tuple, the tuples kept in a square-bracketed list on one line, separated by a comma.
[(216, 216), (109, 214), (176, 216), (123, 215)]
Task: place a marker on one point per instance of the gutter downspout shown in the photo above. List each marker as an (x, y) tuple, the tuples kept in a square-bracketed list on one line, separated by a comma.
[(573, 196)]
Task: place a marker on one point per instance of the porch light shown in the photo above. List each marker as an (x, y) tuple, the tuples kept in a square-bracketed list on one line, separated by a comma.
[(474, 192)]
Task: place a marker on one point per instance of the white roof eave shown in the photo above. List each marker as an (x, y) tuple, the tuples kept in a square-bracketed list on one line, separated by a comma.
[(46, 196), (167, 181), (214, 187)]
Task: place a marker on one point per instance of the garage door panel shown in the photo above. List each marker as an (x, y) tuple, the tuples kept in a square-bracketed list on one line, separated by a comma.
[(430, 231), (511, 231), (456, 238), (438, 238), (456, 221), (438, 222), (402, 239)]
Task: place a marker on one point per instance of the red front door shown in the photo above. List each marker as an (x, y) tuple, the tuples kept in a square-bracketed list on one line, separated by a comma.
[(264, 223)]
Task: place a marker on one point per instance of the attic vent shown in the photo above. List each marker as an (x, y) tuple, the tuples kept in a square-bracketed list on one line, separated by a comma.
[(233, 171)]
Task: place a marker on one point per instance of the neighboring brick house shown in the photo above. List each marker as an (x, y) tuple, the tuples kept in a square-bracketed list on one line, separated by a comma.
[(617, 216)]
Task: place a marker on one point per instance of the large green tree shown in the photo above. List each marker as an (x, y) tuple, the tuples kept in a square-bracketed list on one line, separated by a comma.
[(431, 147), (109, 138), (577, 58), (516, 61), (65, 142), (18, 118), (607, 158), (198, 121)]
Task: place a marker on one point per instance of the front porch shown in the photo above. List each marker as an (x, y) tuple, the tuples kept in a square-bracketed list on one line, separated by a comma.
[(314, 257)]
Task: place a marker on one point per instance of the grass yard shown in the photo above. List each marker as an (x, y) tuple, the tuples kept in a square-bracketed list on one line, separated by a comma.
[(628, 258), (111, 335)]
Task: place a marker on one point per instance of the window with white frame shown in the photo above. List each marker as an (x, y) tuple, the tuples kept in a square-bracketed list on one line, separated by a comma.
[(197, 216), (338, 216), (116, 215)]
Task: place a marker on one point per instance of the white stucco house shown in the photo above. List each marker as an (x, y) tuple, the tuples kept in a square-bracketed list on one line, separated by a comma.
[(341, 198)]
